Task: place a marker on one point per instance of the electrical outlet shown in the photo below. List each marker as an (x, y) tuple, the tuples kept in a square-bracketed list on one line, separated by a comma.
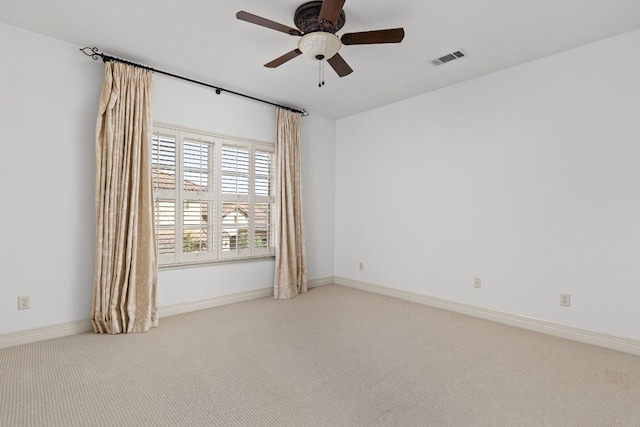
[(361, 266), (24, 302), (565, 300), (477, 282)]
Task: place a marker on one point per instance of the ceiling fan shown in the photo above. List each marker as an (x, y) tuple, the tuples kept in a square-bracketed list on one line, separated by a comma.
[(317, 22)]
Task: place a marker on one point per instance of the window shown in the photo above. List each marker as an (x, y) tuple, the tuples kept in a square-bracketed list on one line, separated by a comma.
[(213, 197)]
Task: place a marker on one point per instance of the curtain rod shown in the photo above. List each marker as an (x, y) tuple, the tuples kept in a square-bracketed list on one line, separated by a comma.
[(95, 54)]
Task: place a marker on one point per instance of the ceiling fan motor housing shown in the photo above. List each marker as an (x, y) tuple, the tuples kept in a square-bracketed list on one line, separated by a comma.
[(306, 19)]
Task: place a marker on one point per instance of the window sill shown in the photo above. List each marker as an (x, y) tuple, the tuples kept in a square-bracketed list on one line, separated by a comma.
[(211, 263)]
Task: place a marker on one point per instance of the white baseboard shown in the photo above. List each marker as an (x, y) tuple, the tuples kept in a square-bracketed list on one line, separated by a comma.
[(575, 334), (187, 307), (46, 333), (58, 331), (589, 337), (321, 282)]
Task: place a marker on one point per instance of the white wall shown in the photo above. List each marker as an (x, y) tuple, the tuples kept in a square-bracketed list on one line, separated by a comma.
[(48, 105), (527, 178), (318, 181)]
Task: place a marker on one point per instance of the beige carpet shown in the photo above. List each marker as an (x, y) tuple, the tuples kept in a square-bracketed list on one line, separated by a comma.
[(333, 357)]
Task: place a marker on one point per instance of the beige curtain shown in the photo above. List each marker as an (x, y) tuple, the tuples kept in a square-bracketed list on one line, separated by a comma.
[(125, 279), (291, 264)]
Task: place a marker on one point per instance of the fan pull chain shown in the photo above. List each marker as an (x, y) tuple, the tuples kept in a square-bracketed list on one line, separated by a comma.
[(320, 73)]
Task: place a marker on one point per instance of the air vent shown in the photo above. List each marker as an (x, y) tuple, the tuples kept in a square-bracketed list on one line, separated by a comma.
[(450, 57)]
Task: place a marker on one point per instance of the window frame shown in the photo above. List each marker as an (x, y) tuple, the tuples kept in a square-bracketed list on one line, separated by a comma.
[(214, 196)]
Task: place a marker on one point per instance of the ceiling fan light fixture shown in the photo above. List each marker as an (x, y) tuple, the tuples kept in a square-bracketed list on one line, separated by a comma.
[(319, 45)]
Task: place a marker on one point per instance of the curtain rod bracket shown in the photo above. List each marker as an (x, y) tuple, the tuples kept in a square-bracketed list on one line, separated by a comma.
[(94, 53)]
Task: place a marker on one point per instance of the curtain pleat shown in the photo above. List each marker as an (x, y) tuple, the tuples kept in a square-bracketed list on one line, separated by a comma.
[(291, 264), (125, 278)]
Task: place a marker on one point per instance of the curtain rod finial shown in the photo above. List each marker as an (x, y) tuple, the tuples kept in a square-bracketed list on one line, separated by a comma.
[(93, 52)]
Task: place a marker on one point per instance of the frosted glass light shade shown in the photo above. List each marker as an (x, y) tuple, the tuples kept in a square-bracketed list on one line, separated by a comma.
[(319, 43)]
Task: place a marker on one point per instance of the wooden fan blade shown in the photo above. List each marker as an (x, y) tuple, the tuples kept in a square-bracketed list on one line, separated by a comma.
[(264, 22), (284, 58), (339, 65), (330, 10), (394, 35)]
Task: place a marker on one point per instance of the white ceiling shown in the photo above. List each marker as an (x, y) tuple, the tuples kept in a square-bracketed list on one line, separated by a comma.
[(203, 40)]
